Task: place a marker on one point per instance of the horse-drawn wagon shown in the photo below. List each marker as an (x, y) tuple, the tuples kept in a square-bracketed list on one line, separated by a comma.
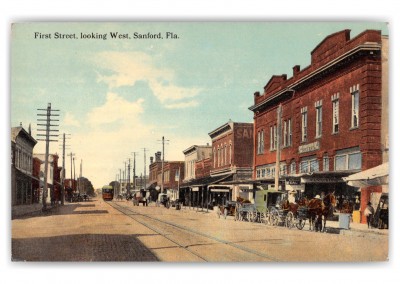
[(227, 209), (268, 210)]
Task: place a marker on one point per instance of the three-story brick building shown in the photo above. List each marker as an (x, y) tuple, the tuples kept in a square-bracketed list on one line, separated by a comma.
[(330, 123)]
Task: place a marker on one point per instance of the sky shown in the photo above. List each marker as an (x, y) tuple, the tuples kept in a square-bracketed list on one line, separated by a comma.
[(119, 96)]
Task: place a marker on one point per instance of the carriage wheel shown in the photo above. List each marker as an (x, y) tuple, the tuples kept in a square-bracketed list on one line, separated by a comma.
[(289, 220), (266, 217), (275, 218), (300, 224), (225, 213)]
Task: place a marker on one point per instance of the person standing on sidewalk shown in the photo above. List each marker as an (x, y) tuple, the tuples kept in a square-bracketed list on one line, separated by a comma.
[(369, 213)]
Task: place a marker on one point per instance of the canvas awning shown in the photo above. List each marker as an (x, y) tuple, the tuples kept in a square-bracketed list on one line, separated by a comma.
[(372, 177)]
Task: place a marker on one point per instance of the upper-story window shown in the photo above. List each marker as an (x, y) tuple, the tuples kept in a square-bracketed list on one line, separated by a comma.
[(325, 163), (335, 113), (293, 167), (318, 119), (355, 103), (260, 145), (273, 138), (230, 152), (304, 124), (287, 133), (215, 157)]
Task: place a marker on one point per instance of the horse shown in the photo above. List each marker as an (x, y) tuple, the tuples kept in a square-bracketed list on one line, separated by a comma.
[(319, 211)]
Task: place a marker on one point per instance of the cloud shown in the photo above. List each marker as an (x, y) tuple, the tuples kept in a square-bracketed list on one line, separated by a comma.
[(115, 109), (126, 68), (70, 120)]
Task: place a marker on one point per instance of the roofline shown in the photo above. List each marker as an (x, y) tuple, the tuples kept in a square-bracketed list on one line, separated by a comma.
[(366, 46)]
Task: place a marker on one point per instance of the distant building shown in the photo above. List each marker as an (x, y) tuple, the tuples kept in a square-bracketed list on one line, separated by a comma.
[(53, 177), (232, 160), (22, 144)]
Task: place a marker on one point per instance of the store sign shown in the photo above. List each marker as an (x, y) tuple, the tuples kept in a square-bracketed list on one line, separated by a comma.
[(309, 147), (321, 180), (293, 181), (295, 187)]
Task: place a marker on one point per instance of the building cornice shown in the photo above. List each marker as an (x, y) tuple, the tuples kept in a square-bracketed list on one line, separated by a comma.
[(290, 89)]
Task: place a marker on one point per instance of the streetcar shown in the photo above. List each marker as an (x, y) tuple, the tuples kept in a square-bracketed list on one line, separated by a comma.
[(107, 192)]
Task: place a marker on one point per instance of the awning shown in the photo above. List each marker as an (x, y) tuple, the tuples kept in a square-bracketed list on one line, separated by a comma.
[(372, 177)]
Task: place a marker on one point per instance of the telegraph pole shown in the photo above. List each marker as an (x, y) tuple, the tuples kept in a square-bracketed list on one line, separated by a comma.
[(144, 151), (129, 176), (74, 175), (134, 170), (120, 185), (162, 164), (278, 147), (63, 171), (47, 139)]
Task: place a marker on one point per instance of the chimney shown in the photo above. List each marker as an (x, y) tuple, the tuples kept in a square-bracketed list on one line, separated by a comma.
[(158, 156), (296, 70)]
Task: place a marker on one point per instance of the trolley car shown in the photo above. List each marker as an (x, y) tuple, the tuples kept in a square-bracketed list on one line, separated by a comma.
[(107, 192)]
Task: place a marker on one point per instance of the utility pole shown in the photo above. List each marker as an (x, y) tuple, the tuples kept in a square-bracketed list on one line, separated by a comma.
[(80, 177), (129, 177), (63, 170), (162, 164), (134, 170), (144, 151), (70, 180), (74, 175), (47, 139), (278, 147), (120, 185)]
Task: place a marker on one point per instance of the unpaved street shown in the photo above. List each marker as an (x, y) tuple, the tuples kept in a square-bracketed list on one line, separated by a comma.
[(117, 231)]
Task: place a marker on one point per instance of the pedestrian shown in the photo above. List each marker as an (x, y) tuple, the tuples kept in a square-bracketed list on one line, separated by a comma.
[(369, 214)]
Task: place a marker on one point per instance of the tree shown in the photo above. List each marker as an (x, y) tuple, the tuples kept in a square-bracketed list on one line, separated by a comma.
[(85, 186)]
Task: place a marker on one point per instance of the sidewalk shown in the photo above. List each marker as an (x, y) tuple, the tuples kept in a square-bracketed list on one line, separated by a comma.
[(19, 211), (355, 229)]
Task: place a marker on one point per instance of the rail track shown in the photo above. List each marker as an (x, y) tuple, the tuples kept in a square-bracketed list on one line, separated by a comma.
[(166, 229)]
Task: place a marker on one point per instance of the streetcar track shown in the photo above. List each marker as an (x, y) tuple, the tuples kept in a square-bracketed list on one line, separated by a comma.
[(132, 215)]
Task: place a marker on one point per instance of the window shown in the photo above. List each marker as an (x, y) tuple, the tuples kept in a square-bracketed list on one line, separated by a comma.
[(215, 157), (325, 162), (349, 159), (304, 124), (355, 98), (309, 164), (318, 119), (287, 133), (230, 153), (293, 167), (283, 169), (273, 138), (335, 113), (260, 146)]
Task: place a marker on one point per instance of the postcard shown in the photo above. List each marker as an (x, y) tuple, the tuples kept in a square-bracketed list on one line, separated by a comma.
[(192, 142)]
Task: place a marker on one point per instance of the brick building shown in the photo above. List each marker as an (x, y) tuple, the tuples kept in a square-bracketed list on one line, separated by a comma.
[(53, 177), (165, 175), (232, 145), (332, 120)]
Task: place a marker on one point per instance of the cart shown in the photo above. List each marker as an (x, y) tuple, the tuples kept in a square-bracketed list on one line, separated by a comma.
[(228, 209)]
